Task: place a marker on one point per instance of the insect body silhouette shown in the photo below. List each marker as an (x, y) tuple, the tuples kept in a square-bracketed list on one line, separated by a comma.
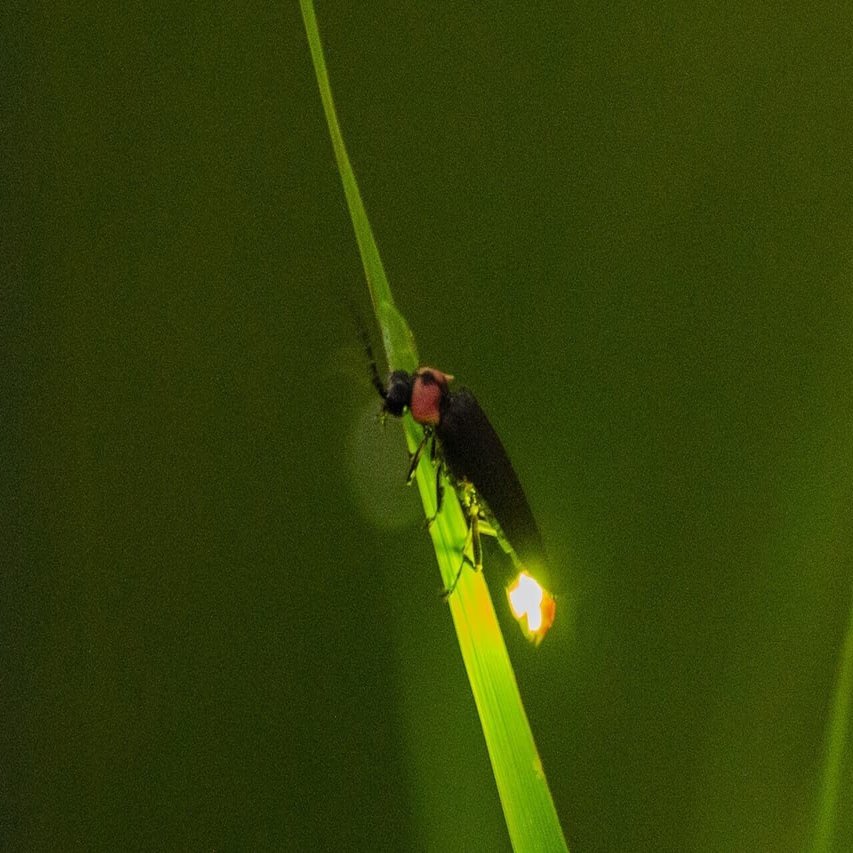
[(463, 442)]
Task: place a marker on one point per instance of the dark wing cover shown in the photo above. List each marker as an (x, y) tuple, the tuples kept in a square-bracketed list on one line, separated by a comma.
[(474, 452)]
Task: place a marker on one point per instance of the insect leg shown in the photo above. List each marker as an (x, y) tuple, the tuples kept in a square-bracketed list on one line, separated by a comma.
[(438, 461), (435, 458), (476, 543), (439, 490), (416, 456), (472, 512)]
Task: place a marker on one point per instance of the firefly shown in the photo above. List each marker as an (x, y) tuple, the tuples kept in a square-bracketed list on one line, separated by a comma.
[(464, 445)]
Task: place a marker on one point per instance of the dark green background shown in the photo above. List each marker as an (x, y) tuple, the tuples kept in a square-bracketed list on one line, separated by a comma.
[(629, 229)]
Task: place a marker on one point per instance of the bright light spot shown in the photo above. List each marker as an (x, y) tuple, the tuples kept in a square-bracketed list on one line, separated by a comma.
[(532, 603), (526, 600)]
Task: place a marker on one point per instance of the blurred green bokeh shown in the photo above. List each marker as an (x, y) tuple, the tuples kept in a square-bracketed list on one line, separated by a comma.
[(629, 230)]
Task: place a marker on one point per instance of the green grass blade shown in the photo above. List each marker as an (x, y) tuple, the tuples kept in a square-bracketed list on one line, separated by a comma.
[(836, 737), (526, 799), (397, 337)]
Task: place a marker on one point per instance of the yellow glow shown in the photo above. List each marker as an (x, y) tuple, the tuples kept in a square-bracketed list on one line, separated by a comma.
[(530, 602)]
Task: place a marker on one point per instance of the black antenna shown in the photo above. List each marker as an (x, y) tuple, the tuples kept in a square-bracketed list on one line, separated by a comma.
[(361, 328)]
